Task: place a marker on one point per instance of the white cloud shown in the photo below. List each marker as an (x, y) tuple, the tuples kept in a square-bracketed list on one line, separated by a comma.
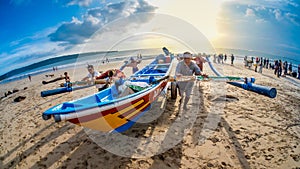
[(92, 20), (79, 2), (260, 8), (76, 20), (293, 18), (277, 14), (29, 53), (37, 36), (260, 20), (76, 32), (249, 12), (30, 49), (292, 3)]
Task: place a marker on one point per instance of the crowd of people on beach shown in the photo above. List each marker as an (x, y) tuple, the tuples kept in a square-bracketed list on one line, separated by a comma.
[(281, 68), (222, 58)]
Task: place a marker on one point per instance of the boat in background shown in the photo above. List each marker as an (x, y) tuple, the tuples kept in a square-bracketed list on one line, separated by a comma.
[(106, 111)]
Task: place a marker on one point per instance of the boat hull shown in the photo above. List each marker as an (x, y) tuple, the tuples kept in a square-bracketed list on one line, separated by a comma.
[(119, 117)]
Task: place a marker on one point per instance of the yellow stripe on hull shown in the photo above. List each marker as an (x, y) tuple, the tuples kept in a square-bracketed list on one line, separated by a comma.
[(101, 124), (112, 121), (137, 111), (131, 107)]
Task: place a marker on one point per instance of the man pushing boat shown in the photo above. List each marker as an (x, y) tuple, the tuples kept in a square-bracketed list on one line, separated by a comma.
[(186, 68), (91, 76)]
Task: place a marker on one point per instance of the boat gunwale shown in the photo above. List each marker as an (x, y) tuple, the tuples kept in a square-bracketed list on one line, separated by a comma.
[(81, 113)]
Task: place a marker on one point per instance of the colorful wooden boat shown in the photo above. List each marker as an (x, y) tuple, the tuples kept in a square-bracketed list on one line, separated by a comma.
[(104, 111)]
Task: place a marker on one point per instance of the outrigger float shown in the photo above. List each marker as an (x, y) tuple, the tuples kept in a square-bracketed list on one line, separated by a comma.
[(105, 111)]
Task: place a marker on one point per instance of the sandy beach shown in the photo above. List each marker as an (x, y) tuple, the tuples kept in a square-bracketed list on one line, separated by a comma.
[(232, 127)]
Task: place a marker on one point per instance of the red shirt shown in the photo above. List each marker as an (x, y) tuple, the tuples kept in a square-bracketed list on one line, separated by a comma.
[(105, 74)]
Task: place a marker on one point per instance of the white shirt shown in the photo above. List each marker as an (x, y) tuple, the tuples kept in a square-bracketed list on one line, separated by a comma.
[(91, 77)]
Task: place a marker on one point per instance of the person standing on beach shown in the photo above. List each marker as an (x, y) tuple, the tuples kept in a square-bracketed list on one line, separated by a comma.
[(222, 57), (199, 61), (261, 64), (285, 68), (245, 61), (232, 59), (29, 77), (260, 68), (225, 57), (91, 77), (267, 64), (256, 63), (299, 71), (290, 68), (279, 72), (276, 64), (186, 68), (215, 57)]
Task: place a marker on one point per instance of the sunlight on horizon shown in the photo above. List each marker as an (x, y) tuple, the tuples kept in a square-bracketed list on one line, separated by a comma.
[(206, 22)]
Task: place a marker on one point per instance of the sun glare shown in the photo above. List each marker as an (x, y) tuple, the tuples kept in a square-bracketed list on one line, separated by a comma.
[(201, 14)]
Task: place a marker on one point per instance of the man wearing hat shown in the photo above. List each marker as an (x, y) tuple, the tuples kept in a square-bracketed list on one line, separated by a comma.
[(186, 68)]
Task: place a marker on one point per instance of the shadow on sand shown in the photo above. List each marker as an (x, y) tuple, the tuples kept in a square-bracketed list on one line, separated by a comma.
[(80, 151)]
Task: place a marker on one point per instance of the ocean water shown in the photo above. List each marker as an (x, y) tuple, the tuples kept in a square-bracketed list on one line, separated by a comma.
[(70, 61)]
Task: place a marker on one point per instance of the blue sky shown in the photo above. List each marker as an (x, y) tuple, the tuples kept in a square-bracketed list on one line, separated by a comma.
[(33, 30)]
